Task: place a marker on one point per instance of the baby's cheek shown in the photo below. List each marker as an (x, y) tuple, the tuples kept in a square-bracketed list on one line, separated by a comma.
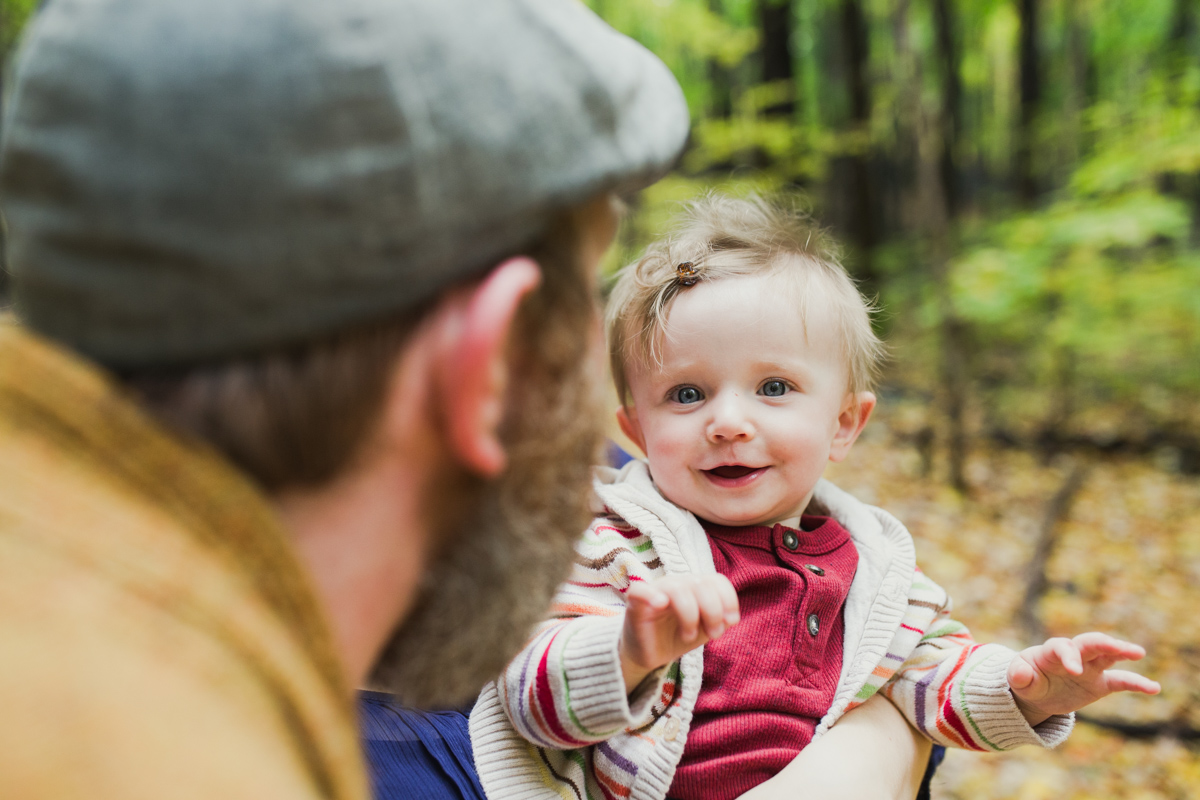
[(668, 462), (664, 466), (667, 443)]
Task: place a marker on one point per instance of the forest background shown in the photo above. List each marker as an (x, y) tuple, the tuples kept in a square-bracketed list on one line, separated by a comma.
[(1018, 182)]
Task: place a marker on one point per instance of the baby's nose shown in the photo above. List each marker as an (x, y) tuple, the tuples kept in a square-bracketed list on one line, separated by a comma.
[(729, 420)]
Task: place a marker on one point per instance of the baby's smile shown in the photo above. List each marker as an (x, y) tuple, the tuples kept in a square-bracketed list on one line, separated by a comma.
[(734, 476)]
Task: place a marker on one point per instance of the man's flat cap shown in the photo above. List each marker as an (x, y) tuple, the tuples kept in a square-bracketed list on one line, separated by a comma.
[(185, 181)]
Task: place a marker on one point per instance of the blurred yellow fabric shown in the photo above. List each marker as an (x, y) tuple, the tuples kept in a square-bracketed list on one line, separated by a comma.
[(158, 638)]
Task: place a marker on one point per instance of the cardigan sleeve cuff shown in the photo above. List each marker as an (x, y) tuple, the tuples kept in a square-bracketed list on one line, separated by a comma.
[(596, 684), (992, 708)]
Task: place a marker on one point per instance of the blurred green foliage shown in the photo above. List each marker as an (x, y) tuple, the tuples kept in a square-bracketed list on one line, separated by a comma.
[(13, 15), (1080, 302)]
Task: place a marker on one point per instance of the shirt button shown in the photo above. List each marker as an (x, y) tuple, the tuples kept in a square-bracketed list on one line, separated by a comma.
[(814, 569), (671, 730), (790, 541), (814, 625)]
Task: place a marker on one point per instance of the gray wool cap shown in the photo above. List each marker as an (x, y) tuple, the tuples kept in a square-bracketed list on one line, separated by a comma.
[(185, 181)]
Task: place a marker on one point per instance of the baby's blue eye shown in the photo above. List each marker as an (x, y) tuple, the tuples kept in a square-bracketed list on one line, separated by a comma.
[(774, 388), (688, 395)]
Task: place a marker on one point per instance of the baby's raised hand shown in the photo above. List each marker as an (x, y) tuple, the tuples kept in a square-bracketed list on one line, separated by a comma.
[(1064, 675), (668, 617)]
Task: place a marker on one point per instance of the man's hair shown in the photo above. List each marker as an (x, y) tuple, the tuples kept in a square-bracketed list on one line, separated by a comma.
[(720, 237), (296, 417)]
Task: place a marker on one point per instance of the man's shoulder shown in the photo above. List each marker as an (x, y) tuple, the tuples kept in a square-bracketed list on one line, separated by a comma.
[(136, 657), (108, 551), (108, 691)]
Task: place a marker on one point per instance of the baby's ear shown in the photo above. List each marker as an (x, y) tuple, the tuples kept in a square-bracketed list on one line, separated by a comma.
[(627, 421), (856, 410)]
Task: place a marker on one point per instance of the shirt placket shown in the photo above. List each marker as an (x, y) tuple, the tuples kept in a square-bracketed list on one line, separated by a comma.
[(814, 614)]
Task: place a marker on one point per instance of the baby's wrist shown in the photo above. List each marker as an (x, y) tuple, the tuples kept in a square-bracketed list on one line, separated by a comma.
[(1032, 716), (634, 673)]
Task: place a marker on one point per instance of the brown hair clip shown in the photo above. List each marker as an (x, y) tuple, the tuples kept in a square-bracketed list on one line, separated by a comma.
[(686, 274)]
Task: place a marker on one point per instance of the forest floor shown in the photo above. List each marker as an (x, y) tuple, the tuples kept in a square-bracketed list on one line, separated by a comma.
[(1125, 560)]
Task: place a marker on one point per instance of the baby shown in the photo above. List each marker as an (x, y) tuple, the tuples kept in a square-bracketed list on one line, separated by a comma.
[(743, 356)]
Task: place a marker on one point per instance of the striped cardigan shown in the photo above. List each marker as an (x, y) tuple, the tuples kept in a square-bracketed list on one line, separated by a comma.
[(558, 722)]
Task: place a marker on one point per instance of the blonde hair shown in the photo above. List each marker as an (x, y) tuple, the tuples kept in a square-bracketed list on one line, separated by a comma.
[(724, 237)]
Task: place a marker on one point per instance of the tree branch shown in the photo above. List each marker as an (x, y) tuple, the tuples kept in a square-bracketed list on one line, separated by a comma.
[(1056, 510), (1174, 728)]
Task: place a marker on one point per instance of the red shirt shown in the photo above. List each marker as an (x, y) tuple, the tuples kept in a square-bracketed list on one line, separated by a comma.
[(771, 678)]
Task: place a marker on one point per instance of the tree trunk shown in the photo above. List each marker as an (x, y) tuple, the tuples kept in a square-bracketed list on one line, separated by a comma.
[(935, 223), (955, 377), (1031, 96), (1080, 85), (1180, 49), (1179, 36), (863, 227), (720, 81), (949, 58), (775, 25), (1057, 424)]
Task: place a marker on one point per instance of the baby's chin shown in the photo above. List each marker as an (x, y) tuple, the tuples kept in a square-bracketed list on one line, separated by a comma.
[(729, 515), (744, 519)]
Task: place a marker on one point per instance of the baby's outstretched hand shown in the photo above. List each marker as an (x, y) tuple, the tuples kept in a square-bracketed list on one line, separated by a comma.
[(1064, 675), (666, 618)]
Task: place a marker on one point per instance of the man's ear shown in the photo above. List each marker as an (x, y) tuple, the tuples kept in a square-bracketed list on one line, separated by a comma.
[(472, 363), (856, 410), (627, 421)]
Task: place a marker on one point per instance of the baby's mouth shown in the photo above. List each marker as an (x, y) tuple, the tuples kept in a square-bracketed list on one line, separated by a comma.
[(730, 471), (733, 476)]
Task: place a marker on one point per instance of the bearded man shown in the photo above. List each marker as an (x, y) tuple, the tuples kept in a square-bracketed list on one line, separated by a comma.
[(300, 390)]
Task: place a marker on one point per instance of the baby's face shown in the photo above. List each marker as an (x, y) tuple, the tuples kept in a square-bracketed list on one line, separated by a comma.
[(746, 410)]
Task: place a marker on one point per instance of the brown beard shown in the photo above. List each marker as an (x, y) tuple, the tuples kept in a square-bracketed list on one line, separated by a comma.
[(506, 545)]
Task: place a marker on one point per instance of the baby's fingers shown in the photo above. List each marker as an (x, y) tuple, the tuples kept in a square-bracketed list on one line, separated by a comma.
[(1120, 680), (712, 611), (718, 604), (729, 599), (686, 607), (645, 597), (1064, 653), (1094, 646)]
